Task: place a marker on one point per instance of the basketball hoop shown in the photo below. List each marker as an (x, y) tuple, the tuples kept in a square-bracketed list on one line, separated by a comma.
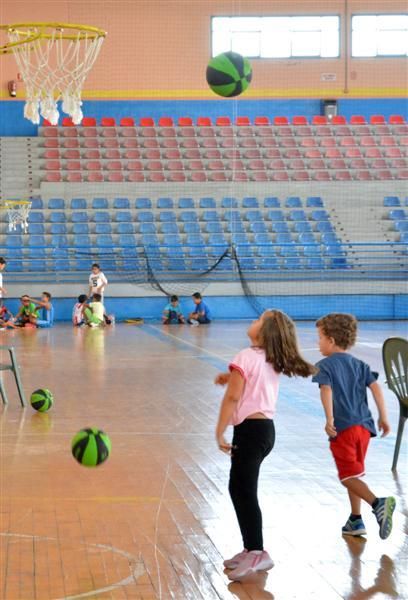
[(17, 213), (53, 60)]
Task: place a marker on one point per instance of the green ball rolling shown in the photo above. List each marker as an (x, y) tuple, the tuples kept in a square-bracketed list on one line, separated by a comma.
[(91, 447), (42, 400), (229, 74)]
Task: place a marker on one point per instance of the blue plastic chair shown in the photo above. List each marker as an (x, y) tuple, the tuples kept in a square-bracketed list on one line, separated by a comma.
[(320, 215), (258, 227), (324, 226), (148, 228), (234, 227), (311, 250), (298, 215), (36, 228), (266, 251), (15, 266), (390, 201), (238, 237), (314, 202), (123, 217), (254, 215), (36, 204), (57, 217), (82, 241), (100, 203), (250, 202), (207, 203), (79, 217), (37, 264), (247, 263), (330, 238), (101, 217), (210, 215), (213, 227), (143, 203), (81, 264), (168, 216), (56, 204), (262, 238), (125, 228), (170, 227), (194, 239), (293, 202), (127, 240), (36, 217), (397, 215), (145, 217), (315, 263), (165, 203), (268, 264), (35, 241), (58, 228), (104, 241), (78, 204), (276, 215), (271, 202), (215, 239), (280, 227), (59, 241), (172, 239), (188, 216), (192, 227), (307, 238), (35, 252), (302, 227), (228, 202), (177, 264), (184, 203), (103, 228), (292, 262), (283, 238), (59, 252), (199, 264), (401, 225), (150, 239), (80, 228), (174, 250), (121, 203)]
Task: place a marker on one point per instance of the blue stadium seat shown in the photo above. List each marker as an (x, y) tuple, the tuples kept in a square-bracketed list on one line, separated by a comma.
[(36, 204), (57, 217), (292, 262), (307, 238), (225, 265), (165, 203), (324, 226), (210, 215), (148, 228), (207, 203), (213, 227), (80, 228), (397, 215), (329, 238), (280, 227), (172, 239), (216, 239), (392, 201), (276, 215), (121, 203), (228, 202), (293, 202), (79, 217), (188, 216), (150, 239), (82, 241), (235, 227), (250, 202), (401, 225), (303, 227), (81, 264), (145, 217), (336, 256), (320, 215), (254, 215), (177, 264), (125, 228), (404, 237), (59, 241), (238, 237), (14, 241), (314, 202), (58, 228), (266, 251), (15, 266), (123, 217), (312, 250), (35, 241), (143, 203), (127, 240), (258, 227), (199, 264), (78, 204), (247, 263), (109, 264), (262, 238), (283, 238), (36, 264), (100, 203), (155, 263), (101, 217), (36, 217), (129, 250), (56, 204), (174, 250), (171, 227), (192, 227), (60, 253), (103, 228), (271, 202), (315, 263), (298, 215), (168, 216), (195, 239), (268, 263), (104, 241), (36, 252), (36, 228), (184, 203)]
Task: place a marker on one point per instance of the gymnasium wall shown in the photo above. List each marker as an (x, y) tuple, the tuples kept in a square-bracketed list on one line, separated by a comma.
[(154, 58)]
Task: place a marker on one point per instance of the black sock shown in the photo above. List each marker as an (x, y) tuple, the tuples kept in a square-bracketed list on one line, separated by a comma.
[(375, 503), (354, 517)]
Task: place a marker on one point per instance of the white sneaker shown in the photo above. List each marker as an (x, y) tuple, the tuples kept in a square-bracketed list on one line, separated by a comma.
[(232, 563), (194, 323), (252, 561)]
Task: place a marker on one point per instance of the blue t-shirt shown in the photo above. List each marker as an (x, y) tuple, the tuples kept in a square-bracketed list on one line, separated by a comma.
[(169, 307), (203, 308), (348, 378)]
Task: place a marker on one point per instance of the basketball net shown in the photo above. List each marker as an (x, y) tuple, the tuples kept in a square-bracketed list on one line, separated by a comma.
[(17, 213), (54, 60)]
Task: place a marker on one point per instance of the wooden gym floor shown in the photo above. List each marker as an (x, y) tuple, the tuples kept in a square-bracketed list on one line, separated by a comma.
[(155, 521)]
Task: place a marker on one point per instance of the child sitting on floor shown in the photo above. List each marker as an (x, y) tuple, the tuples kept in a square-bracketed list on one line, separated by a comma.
[(6, 318), (77, 312), (172, 312), (94, 312), (201, 314), (27, 313), (45, 311)]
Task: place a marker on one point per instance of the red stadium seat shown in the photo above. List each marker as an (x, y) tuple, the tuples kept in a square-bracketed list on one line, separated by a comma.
[(260, 176), (113, 154), (136, 177), (338, 120), (363, 175), (156, 177), (223, 122), (300, 176), (92, 154), (51, 143), (146, 122), (166, 122), (52, 132), (176, 176), (262, 121), (396, 120), (152, 154), (280, 176), (198, 176), (53, 165), (110, 143), (342, 176), (242, 121), (192, 154), (74, 177), (204, 122), (88, 122), (46, 123), (313, 153), (70, 132), (132, 154), (52, 154), (115, 177), (89, 132), (319, 120), (175, 165), (169, 142), (109, 132), (299, 120), (321, 176), (93, 165), (332, 153), (185, 122), (114, 165), (95, 177), (127, 122), (316, 164), (218, 176), (272, 153), (91, 143), (73, 165), (67, 122), (377, 120), (108, 122), (212, 154), (281, 121), (135, 165), (357, 120), (154, 165), (53, 177)]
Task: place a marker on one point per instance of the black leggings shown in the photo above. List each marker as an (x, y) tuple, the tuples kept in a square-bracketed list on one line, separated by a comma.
[(253, 440)]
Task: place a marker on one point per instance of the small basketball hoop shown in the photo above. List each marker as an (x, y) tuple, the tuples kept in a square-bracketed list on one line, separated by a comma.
[(53, 60), (17, 213)]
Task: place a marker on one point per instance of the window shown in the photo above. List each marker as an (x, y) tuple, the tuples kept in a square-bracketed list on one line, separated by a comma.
[(379, 35), (277, 37)]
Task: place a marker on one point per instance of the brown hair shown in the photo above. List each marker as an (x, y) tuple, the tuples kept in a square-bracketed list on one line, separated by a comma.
[(279, 340), (341, 327)]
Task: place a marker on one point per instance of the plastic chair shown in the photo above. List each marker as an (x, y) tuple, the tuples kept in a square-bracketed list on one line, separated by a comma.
[(13, 367), (395, 360)]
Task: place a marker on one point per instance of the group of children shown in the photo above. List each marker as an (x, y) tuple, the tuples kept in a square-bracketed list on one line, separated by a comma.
[(31, 313), (249, 405), (200, 314)]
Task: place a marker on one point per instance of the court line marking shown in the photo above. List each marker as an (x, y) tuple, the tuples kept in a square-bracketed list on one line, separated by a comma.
[(137, 572)]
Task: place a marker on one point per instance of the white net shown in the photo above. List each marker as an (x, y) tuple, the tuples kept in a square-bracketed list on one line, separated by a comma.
[(17, 214), (54, 62)]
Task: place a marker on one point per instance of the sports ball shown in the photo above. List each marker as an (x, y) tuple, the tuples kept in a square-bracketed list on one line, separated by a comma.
[(42, 400), (229, 74), (90, 447)]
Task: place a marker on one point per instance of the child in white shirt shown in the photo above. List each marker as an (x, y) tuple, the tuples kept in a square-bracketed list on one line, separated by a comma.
[(97, 281)]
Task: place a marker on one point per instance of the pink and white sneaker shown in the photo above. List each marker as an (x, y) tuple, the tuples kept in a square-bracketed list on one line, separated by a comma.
[(232, 563), (253, 561)]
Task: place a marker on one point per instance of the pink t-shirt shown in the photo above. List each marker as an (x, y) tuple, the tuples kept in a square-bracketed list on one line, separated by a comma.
[(261, 385)]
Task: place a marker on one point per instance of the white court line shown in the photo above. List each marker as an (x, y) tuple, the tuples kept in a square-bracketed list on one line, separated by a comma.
[(137, 572), (223, 358)]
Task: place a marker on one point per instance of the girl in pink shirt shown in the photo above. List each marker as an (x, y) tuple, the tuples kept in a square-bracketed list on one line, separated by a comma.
[(249, 405)]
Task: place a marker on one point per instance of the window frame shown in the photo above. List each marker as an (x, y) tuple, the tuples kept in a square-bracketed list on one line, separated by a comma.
[(286, 16), (377, 56)]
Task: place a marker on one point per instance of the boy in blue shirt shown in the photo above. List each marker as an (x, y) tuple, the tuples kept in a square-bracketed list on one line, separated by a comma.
[(201, 314), (343, 380), (172, 312)]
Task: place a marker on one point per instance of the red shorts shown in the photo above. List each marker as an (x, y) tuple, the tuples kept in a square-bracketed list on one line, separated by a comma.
[(349, 449)]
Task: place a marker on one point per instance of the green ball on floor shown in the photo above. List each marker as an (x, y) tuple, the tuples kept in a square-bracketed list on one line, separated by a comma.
[(91, 447), (42, 400)]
